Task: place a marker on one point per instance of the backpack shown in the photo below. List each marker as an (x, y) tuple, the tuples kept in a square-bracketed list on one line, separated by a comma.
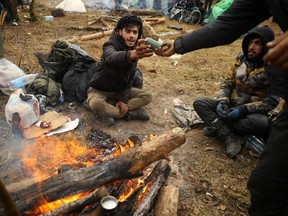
[(45, 86)]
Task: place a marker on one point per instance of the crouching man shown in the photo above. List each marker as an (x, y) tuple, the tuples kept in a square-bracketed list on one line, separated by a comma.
[(111, 94), (243, 101)]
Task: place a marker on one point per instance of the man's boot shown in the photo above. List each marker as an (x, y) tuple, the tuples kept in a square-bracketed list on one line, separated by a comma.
[(107, 121), (212, 129), (233, 141), (137, 114), (209, 131)]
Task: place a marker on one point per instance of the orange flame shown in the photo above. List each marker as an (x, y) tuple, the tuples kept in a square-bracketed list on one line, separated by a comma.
[(46, 156), (46, 207), (131, 188)]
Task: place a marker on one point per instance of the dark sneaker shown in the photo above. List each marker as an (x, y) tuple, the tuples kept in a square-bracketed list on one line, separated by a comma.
[(233, 145), (209, 131), (107, 121), (137, 114)]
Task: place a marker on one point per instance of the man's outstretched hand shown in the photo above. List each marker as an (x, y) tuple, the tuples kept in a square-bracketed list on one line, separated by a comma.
[(167, 48), (141, 51)]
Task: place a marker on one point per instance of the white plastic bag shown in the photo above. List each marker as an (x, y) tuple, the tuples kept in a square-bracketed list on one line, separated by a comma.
[(27, 110), (8, 72)]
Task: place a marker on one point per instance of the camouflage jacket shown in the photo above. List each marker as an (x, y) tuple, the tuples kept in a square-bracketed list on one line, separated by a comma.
[(245, 84)]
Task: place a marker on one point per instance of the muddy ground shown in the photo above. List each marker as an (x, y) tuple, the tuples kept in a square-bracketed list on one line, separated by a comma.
[(210, 183)]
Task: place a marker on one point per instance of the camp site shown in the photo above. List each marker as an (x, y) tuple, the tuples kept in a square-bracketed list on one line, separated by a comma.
[(64, 161)]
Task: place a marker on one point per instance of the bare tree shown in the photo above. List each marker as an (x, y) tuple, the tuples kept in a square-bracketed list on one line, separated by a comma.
[(2, 22), (31, 12)]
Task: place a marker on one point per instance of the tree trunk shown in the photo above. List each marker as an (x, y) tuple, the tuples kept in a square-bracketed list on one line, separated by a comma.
[(130, 164), (31, 12)]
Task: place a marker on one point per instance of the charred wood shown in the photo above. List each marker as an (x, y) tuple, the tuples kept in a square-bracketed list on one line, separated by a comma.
[(129, 164), (147, 201), (79, 204)]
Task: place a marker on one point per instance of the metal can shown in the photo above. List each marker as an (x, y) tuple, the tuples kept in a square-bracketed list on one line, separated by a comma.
[(153, 43)]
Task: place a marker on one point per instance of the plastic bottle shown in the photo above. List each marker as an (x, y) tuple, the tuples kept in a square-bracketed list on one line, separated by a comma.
[(20, 82), (254, 144), (49, 18), (61, 97)]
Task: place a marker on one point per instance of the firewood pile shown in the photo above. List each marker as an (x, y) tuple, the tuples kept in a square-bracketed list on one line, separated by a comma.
[(105, 25), (135, 177)]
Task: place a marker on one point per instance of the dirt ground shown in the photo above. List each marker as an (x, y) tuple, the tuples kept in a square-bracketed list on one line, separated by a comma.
[(210, 183)]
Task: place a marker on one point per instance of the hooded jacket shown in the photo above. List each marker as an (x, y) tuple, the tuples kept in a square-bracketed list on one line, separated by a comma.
[(239, 18), (246, 83), (242, 16), (116, 71)]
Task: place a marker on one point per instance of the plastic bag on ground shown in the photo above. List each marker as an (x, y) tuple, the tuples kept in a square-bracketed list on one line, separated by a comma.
[(8, 72), (21, 112)]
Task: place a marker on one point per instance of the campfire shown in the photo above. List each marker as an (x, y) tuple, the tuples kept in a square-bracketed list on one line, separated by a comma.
[(66, 177)]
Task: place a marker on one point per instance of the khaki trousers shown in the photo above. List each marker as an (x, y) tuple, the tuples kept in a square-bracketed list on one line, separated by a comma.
[(97, 101)]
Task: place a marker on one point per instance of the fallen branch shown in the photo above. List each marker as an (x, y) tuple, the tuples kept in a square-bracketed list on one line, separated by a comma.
[(90, 28), (97, 35), (154, 22), (103, 19)]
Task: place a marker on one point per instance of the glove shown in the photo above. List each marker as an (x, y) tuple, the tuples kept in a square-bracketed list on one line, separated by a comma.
[(236, 112), (222, 109)]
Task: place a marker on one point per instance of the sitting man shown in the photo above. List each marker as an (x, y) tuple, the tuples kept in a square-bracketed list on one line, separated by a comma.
[(243, 101), (111, 94)]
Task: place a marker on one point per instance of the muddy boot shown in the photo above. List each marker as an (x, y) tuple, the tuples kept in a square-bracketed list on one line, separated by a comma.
[(209, 131), (107, 121), (233, 145), (233, 141), (213, 128), (137, 114)]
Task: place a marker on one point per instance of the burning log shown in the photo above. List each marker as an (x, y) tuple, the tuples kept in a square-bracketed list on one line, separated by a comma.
[(167, 202), (147, 201), (130, 164), (79, 204)]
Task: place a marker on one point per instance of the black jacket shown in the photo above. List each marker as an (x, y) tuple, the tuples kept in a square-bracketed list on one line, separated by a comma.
[(116, 71), (246, 82), (243, 15), (239, 18)]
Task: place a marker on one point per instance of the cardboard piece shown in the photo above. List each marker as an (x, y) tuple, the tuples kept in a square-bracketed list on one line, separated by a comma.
[(54, 117)]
